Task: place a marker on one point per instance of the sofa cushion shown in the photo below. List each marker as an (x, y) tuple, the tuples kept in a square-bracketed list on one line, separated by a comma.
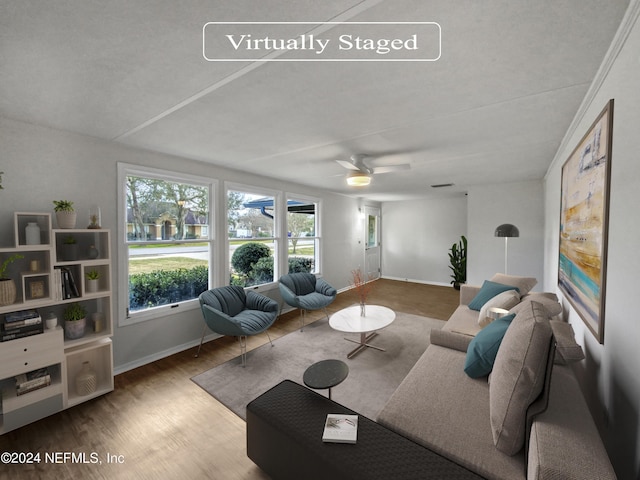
[(438, 406), (482, 350), (518, 376), (549, 300), (523, 284), (487, 292), (568, 351), (505, 300), (464, 321)]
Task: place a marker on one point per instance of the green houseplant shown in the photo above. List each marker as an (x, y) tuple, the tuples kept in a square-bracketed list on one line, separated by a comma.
[(69, 249), (75, 319), (65, 214), (7, 285), (458, 260), (92, 277)]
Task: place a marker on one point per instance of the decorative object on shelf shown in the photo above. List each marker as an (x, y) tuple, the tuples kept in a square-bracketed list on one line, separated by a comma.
[(362, 288), (458, 261), (8, 285), (51, 321), (1, 187), (94, 217), (75, 320), (37, 289), (32, 233), (65, 214), (86, 380), (69, 249), (34, 266), (93, 277), (98, 321), (507, 231), (93, 252)]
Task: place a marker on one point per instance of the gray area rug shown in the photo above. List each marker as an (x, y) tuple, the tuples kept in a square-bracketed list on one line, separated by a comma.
[(373, 375)]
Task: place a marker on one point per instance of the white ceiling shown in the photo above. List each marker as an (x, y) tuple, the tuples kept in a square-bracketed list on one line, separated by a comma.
[(493, 108)]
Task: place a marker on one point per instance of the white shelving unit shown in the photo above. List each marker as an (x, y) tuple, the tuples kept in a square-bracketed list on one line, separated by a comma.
[(36, 278)]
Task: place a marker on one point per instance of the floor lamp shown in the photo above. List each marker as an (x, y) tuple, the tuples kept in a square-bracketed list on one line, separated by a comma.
[(507, 231)]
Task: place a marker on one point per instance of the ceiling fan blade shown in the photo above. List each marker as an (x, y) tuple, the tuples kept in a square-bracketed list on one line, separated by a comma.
[(391, 168), (347, 164)]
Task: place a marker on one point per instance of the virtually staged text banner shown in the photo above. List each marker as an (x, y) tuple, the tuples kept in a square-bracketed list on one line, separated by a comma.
[(323, 42)]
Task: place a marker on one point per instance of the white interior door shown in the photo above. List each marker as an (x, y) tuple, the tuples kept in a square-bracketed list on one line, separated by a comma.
[(372, 242)]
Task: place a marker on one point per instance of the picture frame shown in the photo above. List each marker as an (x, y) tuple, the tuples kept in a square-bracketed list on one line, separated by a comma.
[(584, 219), (37, 289)]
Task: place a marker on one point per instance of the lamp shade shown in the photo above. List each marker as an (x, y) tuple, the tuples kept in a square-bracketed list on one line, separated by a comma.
[(506, 230), (358, 179)]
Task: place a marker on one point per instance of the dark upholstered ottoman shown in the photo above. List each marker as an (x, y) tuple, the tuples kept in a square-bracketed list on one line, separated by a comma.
[(284, 438)]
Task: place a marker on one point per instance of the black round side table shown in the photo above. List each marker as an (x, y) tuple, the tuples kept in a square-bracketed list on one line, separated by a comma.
[(325, 374)]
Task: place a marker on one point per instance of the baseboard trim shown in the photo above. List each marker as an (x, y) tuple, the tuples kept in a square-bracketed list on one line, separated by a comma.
[(414, 280), (117, 370)]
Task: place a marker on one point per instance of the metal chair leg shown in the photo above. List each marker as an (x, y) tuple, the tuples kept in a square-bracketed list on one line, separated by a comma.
[(243, 349), (302, 319), (201, 340), (269, 337), (325, 312)]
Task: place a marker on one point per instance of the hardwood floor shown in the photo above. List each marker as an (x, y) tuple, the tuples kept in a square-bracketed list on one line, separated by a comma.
[(158, 424)]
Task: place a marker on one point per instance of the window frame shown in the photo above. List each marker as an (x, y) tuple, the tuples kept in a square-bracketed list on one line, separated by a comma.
[(125, 170), (277, 231), (318, 230)]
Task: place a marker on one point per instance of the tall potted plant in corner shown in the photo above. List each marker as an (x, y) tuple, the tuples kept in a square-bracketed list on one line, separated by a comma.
[(458, 260), (65, 214), (8, 285)]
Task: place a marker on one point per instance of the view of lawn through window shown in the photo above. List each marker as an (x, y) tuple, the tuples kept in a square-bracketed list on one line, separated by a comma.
[(168, 244)]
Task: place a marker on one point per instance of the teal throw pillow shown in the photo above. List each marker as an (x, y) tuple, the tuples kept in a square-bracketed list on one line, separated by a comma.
[(487, 292), (482, 351)]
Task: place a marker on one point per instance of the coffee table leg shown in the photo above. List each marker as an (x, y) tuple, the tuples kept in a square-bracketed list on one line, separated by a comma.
[(362, 344)]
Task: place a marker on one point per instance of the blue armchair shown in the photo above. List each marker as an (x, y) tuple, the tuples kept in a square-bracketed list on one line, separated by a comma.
[(232, 311), (306, 292)]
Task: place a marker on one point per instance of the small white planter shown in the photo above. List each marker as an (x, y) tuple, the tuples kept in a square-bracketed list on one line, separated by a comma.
[(66, 219), (92, 285)]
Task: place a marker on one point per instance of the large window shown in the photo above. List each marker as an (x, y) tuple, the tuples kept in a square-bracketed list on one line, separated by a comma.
[(253, 236), (303, 235), (167, 240)]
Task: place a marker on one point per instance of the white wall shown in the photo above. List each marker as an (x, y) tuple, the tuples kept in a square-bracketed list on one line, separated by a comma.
[(417, 236), (42, 164), (518, 203), (609, 374)]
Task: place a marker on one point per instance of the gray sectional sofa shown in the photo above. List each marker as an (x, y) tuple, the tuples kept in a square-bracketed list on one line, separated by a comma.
[(525, 418), (480, 423)]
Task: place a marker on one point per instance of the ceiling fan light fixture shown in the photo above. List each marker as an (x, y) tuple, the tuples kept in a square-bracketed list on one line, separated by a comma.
[(358, 179)]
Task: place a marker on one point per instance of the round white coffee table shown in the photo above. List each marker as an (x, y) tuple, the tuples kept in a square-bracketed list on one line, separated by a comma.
[(349, 320)]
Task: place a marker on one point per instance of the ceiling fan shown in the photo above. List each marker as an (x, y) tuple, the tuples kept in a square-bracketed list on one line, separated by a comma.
[(360, 174)]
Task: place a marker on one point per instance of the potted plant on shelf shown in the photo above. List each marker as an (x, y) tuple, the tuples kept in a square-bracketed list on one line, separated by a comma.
[(69, 249), (75, 320), (93, 277), (458, 260), (8, 285), (65, 214)]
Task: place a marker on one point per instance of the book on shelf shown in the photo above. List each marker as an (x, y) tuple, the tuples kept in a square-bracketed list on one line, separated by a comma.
[(340, 428), (21, 332), (65, 284), (20, 316), (27, 322), (34, 380)]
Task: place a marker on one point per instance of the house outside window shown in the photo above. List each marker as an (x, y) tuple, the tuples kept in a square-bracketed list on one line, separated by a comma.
[(166, 240)]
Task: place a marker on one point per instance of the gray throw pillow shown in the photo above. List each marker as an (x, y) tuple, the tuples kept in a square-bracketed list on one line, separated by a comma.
[(518, 376)]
